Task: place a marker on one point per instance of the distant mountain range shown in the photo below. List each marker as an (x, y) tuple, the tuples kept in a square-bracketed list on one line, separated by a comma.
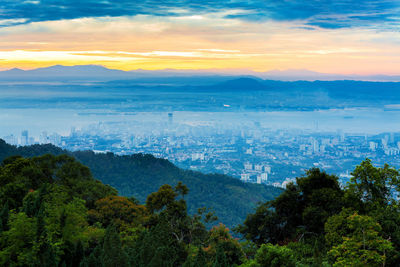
[(100, 73)]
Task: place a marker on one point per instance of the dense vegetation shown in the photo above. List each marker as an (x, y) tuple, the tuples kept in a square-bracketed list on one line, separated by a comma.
[(315, 222), (139, 175), (54, 213)]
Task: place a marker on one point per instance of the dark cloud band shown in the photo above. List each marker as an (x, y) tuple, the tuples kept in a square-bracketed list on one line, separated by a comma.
[(319, 13)]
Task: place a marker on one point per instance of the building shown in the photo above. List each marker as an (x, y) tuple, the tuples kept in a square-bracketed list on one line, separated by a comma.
[(197, 156), (11, 139), (43, 138), (245, 177), (24, 138), (258, 167), (170, 118), (264, 177), (267, 169), (248, 166)]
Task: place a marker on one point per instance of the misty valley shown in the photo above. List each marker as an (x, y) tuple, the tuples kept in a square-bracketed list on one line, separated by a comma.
[(256, 130)]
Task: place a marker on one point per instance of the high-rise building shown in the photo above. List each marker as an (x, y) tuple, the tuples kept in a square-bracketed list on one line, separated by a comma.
[(258, 167), (372, 145), (31, 140), (249, 151), (73, 132), (24, 138), (262, 178), (248, 166), (267, 169), (11, 139), (391, 138), (385, 141), (43, 138), (245, 177), (170, 118)]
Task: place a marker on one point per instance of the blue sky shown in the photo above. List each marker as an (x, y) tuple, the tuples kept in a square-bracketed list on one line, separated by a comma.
[(200, 34), (321, 13)]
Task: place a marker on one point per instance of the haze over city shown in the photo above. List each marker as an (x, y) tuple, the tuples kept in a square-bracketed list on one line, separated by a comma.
[(199, 133)]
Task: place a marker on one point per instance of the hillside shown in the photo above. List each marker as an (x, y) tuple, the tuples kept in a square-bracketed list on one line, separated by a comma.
[(138, 175)]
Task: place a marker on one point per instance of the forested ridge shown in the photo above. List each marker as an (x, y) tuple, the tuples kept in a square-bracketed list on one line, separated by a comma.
[(53, 212), (139, 175)]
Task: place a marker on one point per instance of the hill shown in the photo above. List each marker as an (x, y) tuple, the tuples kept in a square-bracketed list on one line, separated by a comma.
[(139, 175), (101, 73)]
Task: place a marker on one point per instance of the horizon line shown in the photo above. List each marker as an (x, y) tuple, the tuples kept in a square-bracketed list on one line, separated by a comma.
[(231, 71)]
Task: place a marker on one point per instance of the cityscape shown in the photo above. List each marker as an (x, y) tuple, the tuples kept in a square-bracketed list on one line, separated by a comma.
[(249, 151)]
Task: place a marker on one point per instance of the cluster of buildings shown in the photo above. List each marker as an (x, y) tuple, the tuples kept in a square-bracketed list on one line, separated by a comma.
[(26, 140), (250, 153), (255, 173)]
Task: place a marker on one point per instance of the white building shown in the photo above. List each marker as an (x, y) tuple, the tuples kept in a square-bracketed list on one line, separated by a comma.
[(248, 166), (245, 177), (264, 177), (258, 167), (373, 146), (267, 169), (197, 156)]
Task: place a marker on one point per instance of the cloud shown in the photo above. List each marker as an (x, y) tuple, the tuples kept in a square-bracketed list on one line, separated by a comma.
[(329, 14)]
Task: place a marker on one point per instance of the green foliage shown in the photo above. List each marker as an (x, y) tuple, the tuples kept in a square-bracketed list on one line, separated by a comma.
[(113, 255), (274, 256), (198, 259), (372, 185), (118, 211), (319, 220), (221, 259), (4, 214), (301, 210), (221, 242), (158, 245), (95, 258), (139, 175), (19, 175), (363, 245), (17, 242), (54, 213)]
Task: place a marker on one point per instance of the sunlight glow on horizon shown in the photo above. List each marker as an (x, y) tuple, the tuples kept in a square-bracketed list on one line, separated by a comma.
[(209, 41)]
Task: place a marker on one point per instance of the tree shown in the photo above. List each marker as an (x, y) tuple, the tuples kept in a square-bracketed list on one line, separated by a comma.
[(158, 245), (300, 212), (274, 256), (166, 206), (222, 242), (372, 185), (79, 254), (95, 258), (363, 244), (220, 258), (4, 214), (200, 259), (17, 243), (113, 254), (263, 226), (119, 211)]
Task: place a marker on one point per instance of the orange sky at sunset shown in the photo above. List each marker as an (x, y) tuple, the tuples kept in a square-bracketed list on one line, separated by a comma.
[(209, 40)]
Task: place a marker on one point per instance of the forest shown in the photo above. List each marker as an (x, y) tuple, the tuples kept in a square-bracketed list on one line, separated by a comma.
[(139, 175), (55, 213)]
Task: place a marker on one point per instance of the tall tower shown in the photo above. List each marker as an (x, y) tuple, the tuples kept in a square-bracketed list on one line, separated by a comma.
[(170, 118), (24, 138)]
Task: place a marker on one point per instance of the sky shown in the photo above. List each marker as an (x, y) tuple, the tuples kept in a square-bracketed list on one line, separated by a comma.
[(342, 36)]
